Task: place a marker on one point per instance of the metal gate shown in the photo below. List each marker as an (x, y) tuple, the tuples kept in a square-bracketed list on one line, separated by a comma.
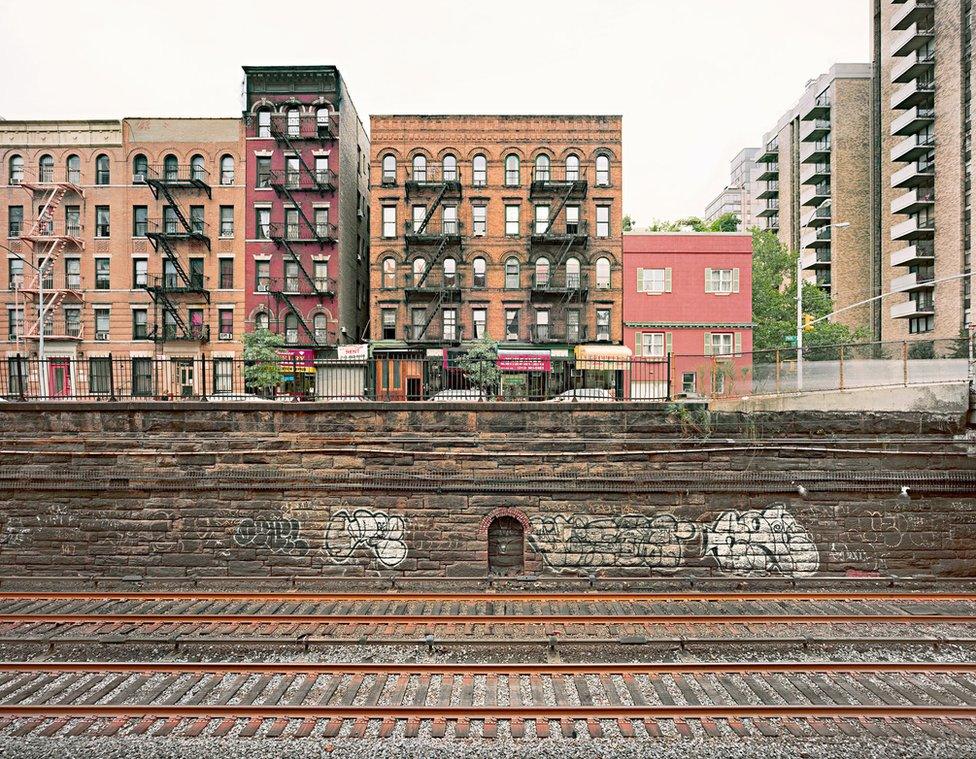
[(506, 547)]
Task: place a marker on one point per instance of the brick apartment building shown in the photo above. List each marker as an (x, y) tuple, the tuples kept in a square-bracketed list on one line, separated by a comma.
[(500, 226), (687, 299), (136, 223), (307, 209)]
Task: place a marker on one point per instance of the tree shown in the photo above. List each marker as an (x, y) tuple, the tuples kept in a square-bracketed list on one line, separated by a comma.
[(480, 365), (628, 223), (262, 364), (727, 222)]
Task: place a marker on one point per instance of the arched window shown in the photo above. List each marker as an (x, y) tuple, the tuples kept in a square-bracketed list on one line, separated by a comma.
[(602, 170), (264, 123), (419, 267), (320, 325), (419, 168), (45, 168), (74, 169), (140, 167), (16, 174), (171, 167), (479, 171), (389, 169), (449, 167), (294, 122), (261, 320), (102, 172), (227, 169), (512, 170), (512, 279), (450, 272), (542, 168), (572, 273), (479, 267), (603, 273), (197, 171), (322, 120), (542, 272), (572, 168), (291, 329), (389, 273)]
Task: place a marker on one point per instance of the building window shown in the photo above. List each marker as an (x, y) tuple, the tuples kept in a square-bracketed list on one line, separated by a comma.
[(542, 326), (293, 117), (572, 326), (225, 269), (389, 274), (603, 324), (450, 272), (102, 273), (479, 220), (512, 221), (450, 168), (321, 219), (572, 220), (196, 219), (572, 168), (603, 273), (542, 165), (541, 219), (261, 320), (140, 272), (542, 272), (603, 221), (291, 223), (511, 324), (102, 316), (449, 220), (512, 170), (479, 322), (15, 323), (920, 324), (291, 329), (227, 170), (102, 171), (419, 213), (718, 343), (651, 344), (100, 376), (572, 273), (449, 324), (227, 221), (102, 218), (262, 223), (72, 273), (322, 120), (603, 170), (16, 169), (140, 220), (479, 171), (15, 221), (17, 373), (321, 168), (419, 267), (721, 280), (15, 273), (389, 221), (320, 273), (419, 168), (72, 322), (388, 317), (479, 268), (142, 376), (196, 273), (291, 276), (225, 318), (689, 382), (74, 169), (263, 172), (512, 278), (140, 167), (262, 276), (320, 326), (198, 173), (140, 324), (72, 220), (653, 281), (389, 169), (264, 123)]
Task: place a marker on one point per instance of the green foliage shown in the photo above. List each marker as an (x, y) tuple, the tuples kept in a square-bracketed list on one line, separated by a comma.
[(728, 222), (480, 364), (628, 223), (262, 364), (960, 348)]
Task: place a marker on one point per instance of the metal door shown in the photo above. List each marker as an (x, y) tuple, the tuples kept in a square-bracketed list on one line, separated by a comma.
[(59, 378), (506, 547)]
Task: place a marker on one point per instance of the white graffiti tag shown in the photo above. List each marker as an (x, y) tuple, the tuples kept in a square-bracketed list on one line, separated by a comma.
[(377, 531), (770, 541)]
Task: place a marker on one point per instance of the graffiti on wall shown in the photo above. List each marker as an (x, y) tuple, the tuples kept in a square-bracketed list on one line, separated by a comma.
[(769, 541), (281, 535), (376, 532)]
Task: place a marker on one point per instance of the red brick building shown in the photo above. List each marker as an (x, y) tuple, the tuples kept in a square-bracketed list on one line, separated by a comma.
[(689, 296)]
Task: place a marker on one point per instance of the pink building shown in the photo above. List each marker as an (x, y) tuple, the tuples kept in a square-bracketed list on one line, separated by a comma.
[(689, 296)]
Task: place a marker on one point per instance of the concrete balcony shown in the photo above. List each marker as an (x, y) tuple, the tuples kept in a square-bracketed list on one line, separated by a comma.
[(912, 67), (817, 129), (817, 259), (913, 12), (769, 190), (913, 229), (913, 201), (915, 93), (913, 175), (815, 152), (915, 36), (911, 282), (910, 309), (912, 121), (913, 147), (819, 109), (770, 209), (769, 154), (921, 252), (814, 195), (815, 173), (819, 217), (768, 171)]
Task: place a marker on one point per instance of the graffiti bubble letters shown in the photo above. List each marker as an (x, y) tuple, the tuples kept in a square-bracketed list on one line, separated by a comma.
[(376, 531), (280, 535), (768, 541)]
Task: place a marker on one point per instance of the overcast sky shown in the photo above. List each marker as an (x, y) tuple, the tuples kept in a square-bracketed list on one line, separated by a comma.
[(695, 80)]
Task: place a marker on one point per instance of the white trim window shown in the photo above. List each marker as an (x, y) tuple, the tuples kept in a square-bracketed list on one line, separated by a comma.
[(654, 281), (652, 344), (721, 344), (721, 281), (389, 221)]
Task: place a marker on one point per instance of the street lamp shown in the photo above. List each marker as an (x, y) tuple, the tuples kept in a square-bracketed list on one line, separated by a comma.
[(799, 311)]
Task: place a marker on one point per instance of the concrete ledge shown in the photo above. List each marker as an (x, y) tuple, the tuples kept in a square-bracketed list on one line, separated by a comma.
[(944, 398)]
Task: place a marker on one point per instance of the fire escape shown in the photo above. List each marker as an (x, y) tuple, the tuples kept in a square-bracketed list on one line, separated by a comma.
[(291, 131), (561, 235), (433, 283), (48, 239), (169, 235)]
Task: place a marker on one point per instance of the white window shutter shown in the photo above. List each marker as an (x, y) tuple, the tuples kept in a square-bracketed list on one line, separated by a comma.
[(735, 280), (737, 341), (668, 342), (708, 343), (667, 280), (708, 280), (639, 344)]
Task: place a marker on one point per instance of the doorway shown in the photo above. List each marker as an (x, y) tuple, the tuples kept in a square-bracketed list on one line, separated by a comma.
[(184, 377), (59, 377), (506, 547)]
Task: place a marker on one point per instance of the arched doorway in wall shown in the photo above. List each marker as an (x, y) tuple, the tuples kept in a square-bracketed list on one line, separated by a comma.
[(506, 546)]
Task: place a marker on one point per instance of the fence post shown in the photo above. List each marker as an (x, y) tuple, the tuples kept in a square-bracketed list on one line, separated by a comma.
[(111, 378), (904, 361), (777, 359), (20, 378), (841, 367), (670, 394), (203, 378)]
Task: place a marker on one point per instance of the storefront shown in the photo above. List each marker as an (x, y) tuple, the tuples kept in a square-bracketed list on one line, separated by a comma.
[(604, 367), (342, 377), (525, 373), (297, 372)]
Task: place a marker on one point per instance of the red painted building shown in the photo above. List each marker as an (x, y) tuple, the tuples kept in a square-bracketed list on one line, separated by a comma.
[(689, 296)]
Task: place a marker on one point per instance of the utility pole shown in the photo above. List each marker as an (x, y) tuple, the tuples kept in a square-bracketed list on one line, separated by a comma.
[(799, 323)]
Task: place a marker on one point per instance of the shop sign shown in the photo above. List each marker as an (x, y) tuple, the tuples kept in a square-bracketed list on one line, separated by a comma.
[(353, 352), (524, 361)]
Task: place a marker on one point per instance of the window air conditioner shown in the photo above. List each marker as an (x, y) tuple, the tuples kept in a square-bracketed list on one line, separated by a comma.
[(226, 335), (138, 179), (101, 335)]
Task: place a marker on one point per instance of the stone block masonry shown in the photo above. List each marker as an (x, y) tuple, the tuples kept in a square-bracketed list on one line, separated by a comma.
[(180, 490)]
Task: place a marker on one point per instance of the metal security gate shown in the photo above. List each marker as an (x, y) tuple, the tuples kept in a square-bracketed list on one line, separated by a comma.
[(506, 547)]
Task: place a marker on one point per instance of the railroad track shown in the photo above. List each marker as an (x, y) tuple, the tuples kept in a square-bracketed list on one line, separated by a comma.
[(357, 700)]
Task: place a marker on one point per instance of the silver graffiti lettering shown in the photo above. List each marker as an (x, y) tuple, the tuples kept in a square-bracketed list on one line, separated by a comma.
[(376, 531), (768, 541), (280, 535)]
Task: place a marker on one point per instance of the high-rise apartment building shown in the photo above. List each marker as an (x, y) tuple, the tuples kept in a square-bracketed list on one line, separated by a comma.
[(739, 196)]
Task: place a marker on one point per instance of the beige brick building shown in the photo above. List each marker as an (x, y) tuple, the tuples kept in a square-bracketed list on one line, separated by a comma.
[(813, 186), (739, 196), (506, 226)]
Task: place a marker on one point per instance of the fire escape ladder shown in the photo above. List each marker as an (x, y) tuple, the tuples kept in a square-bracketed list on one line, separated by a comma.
[(301, 267), (301, 213), (171, 255), (298, 315), (46, 212), (563, 255), (432, 209), (438, 255), (171, 200), (161, 297), (50, 254), (560, 204), (432, 311)]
